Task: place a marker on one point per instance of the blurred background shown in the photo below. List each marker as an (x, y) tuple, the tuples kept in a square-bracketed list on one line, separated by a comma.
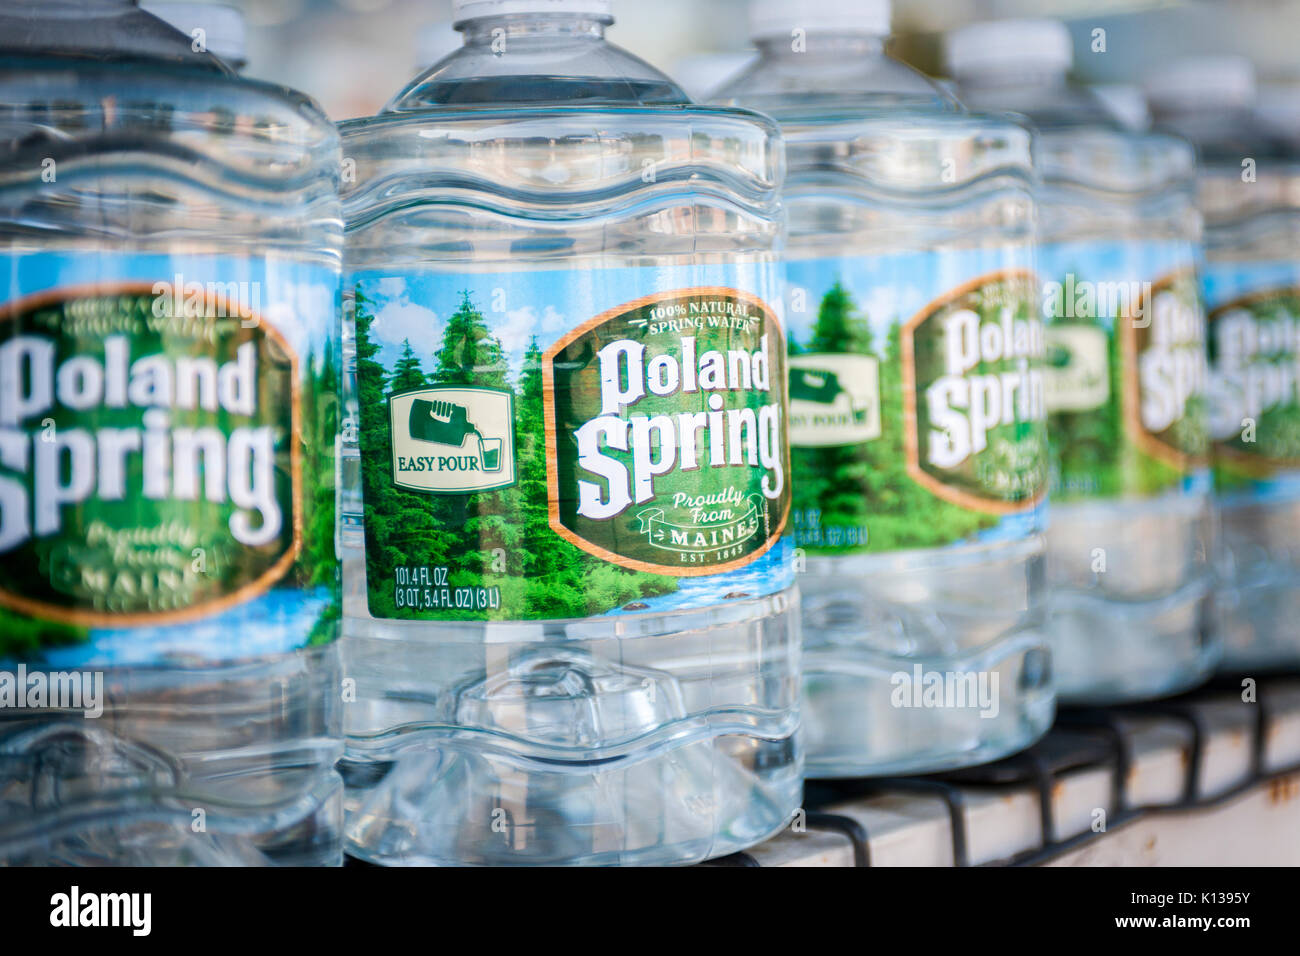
[(353, 55)]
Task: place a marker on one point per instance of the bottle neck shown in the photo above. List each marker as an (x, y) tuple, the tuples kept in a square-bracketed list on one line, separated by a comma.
[(483, 31), (789, 46), (1022, 75), (538, 59)]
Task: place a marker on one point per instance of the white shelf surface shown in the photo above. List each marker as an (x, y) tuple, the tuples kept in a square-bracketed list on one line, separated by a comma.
[(1259, 826)]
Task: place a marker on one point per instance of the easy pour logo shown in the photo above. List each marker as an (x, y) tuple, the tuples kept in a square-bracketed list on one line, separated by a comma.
[(150, 459), (665, 427), (453, 439), (1077, 373), (974, 399), (834, 399)]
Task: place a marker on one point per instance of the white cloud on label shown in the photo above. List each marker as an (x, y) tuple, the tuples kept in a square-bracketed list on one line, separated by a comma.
[(881, 305), (391, 287), (398, 321), (522, 324)]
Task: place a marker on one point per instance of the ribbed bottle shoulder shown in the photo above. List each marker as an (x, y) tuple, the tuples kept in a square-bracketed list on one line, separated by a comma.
[(1240, 191), (920, 154), (56, 98), (476, 176), (114, 150), (1114, 164)]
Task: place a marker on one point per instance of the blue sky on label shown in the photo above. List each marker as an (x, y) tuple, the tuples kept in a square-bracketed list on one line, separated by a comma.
[(1134, 261), (885, 288), (415, 309), (518, 305), (1224, 281), (300, 300)]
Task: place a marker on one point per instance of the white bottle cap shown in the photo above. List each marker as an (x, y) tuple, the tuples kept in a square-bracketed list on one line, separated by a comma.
[(462, 10), (998, 46), (224, 35), (1214, 81), (773, 18)]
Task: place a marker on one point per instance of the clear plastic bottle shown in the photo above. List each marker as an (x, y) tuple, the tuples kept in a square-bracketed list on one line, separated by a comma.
[(1250, 197), (828, 54), (573, 632), (922, 593), (1118, 246), (170, 245)]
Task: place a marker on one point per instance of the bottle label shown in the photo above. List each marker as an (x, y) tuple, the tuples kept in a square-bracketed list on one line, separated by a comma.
[(560, 444), (916, 400), (1127, 374), (167, 448), (1254, 322)]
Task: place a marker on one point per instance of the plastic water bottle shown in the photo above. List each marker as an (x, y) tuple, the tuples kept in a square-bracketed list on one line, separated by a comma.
[(829, 54), (1119, 232), (910, 287), (1251, 280), (170, 245), (570, 618)]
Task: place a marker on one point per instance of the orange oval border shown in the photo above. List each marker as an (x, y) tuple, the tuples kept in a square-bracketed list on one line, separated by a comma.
[(264, 581), (911, 438), (552, 443), (1143, 439)]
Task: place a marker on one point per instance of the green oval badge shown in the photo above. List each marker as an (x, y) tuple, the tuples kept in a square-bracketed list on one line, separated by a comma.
[(150, 467), (666, 423)]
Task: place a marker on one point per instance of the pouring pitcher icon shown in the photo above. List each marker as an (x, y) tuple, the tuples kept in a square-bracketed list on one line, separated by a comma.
[(447, 423), (452, 439)]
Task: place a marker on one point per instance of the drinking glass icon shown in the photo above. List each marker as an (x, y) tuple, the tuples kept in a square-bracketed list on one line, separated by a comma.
[(490, 452)]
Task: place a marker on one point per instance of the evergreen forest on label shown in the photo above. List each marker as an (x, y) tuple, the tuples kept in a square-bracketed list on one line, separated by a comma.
[(493, 539), (867, 485)]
